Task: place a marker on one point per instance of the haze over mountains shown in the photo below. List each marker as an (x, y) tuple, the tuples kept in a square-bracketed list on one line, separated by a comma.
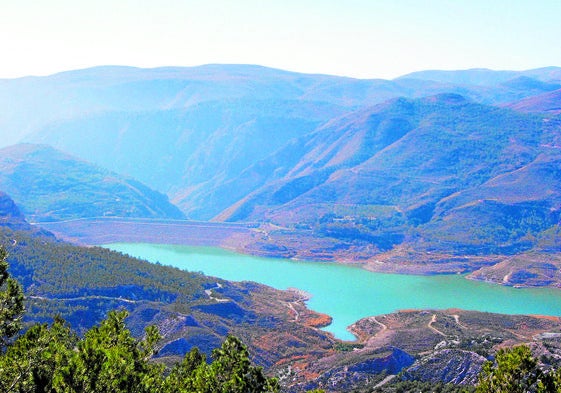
[(444, 159)]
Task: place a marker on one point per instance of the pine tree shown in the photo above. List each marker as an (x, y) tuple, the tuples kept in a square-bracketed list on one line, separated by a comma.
[(515, 370), (11, 303), (109, 359)]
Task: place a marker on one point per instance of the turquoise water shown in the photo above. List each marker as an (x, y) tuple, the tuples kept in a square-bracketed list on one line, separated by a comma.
[(348, 293)]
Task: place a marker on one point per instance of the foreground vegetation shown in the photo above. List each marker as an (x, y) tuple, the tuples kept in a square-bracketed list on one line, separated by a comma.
[(108, 358), (516, 371)]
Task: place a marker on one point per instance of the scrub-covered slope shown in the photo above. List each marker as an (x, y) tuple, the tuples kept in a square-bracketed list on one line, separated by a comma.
[(420, 169), (50, 185)]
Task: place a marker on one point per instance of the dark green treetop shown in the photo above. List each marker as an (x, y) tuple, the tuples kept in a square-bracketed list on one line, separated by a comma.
[(11, 303)]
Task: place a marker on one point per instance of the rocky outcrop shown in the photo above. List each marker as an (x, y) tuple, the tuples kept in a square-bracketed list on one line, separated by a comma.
[(531, 269), (392, 363), (390, 360), (448, 366)]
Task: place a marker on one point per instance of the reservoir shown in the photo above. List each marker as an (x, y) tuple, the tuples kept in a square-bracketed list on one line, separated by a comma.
[(349, 293)]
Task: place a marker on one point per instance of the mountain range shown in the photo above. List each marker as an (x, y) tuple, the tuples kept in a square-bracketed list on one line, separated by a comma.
[(437, 161), (367, 171)]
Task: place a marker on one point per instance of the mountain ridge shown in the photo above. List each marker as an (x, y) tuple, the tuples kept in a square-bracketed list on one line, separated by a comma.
[(484, 76), (100, 89), (548, 103)]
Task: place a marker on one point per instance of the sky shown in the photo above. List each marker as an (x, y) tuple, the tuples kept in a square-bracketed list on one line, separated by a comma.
[(357, 38)]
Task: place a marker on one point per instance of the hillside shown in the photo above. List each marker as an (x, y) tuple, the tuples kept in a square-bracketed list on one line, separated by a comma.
[(433, 346), (418, 170), (83, 284), (186, 153), (549, 103), (10, 214), (51, 185)]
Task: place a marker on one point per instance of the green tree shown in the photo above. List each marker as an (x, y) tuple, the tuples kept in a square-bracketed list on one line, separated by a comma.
[(109, 359), (32, 363), (234, 372), (515, 371), (11, 303), (230, 371), (191, 375)]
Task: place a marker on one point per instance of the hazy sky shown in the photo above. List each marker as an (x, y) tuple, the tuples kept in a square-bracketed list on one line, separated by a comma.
[(360, 38)]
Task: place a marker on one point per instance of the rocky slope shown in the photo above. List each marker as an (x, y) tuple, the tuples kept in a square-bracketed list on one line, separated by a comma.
[(446, 346)]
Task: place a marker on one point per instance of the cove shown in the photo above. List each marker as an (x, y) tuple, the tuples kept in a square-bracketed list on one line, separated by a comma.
[(349, 293)]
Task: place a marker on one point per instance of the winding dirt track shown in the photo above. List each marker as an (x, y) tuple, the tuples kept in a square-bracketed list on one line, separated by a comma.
[(433, 320)]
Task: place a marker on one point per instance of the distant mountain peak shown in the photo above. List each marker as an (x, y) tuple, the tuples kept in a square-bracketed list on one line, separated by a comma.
[(447, 98), (483, 76)]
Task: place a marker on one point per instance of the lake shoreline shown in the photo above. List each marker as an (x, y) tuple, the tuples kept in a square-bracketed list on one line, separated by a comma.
[(348, 293), (531, 269)]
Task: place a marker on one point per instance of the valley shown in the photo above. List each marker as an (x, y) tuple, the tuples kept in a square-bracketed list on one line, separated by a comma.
[(347, 293), (427, 173), (529, 269), (444, 184)]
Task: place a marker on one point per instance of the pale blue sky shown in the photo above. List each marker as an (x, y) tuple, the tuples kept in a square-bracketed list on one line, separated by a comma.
[(359, 38)]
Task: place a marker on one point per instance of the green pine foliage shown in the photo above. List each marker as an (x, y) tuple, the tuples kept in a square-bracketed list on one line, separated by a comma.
[(515, 370), (108, 358), (47, 267), (229, 372), (34, 362), (11, 303)]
